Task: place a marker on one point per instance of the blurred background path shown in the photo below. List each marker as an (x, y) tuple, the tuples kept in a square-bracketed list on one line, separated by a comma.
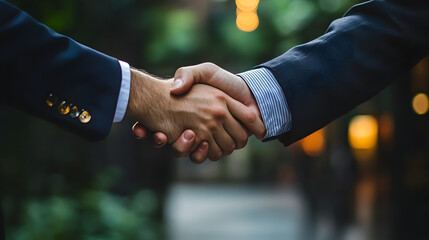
[(216, 211)]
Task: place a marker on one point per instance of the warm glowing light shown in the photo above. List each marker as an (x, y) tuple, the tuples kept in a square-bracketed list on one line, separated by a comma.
[(247, 21), (366, 193), (247, 5), (363, 132), (386, 128), (314, 144), (421, 103)]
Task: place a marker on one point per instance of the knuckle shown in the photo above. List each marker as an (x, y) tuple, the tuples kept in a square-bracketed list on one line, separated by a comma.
[(219, 113), (230, 149), (212, 125), (241, 144), (217, 156), (179, 71), (233, 147), (208, 65), (251, 117), (262, 132), (220, 96), (241, 139)]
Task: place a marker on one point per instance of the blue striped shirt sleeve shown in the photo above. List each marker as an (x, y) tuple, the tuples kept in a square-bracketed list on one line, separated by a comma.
[(271, 101)]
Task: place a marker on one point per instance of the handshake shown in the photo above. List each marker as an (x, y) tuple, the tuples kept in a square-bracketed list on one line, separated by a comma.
[(204, 112)]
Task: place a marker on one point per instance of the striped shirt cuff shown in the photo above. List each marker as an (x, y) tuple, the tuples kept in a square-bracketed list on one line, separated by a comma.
[(271, 101), (124, 92)]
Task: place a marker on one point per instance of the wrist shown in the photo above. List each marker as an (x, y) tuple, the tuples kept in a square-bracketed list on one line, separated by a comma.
[(147, 96), (144, 91), (135, 84)]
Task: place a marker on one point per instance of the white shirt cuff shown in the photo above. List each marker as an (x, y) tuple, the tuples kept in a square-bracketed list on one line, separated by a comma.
[(124, 93), (271, 100)]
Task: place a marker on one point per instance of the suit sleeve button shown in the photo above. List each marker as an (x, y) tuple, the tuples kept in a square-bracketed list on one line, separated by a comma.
[(74, 112), (64, 108), (50, 101), (84, 117)]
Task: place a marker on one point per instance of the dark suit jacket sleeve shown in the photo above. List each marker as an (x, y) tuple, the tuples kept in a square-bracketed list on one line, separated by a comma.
[(36, 62), (373, 44)]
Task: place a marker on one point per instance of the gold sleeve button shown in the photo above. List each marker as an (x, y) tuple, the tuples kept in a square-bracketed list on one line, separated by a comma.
[(84, 117), (50, 101), (74, 112), (64, 108)]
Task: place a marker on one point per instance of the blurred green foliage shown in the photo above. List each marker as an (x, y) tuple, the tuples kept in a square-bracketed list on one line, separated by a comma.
[(93, 215), (57, 186)]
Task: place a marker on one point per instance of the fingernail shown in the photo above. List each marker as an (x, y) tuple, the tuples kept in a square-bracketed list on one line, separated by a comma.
[(203, 146), (188, 135), (158, 142), (176, 84)]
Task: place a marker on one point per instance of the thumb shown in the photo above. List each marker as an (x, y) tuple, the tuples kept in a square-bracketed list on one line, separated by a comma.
[(213, 75), (185, 77), (183, 81)]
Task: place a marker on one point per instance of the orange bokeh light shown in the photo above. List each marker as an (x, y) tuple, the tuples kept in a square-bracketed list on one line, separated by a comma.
[(247, 21), (363, 132), (314, 144), (247, 5), (421, 103), (386, 128)]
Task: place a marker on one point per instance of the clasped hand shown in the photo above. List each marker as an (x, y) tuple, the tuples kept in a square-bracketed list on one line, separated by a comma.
[(207, 120)]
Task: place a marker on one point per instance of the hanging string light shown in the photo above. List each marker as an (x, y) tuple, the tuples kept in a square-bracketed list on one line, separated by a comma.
[(247, 16)]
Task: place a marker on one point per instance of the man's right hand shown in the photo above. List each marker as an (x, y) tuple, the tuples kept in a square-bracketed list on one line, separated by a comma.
[(211, 74), (204, 109)]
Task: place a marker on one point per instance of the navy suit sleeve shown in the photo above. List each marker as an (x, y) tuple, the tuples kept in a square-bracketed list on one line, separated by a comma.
[(36, 62), (361, 53)]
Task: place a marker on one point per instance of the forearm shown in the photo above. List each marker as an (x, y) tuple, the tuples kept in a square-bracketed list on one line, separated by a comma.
[(50, 63), (361, 53), (144, 92), (271, 101)]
